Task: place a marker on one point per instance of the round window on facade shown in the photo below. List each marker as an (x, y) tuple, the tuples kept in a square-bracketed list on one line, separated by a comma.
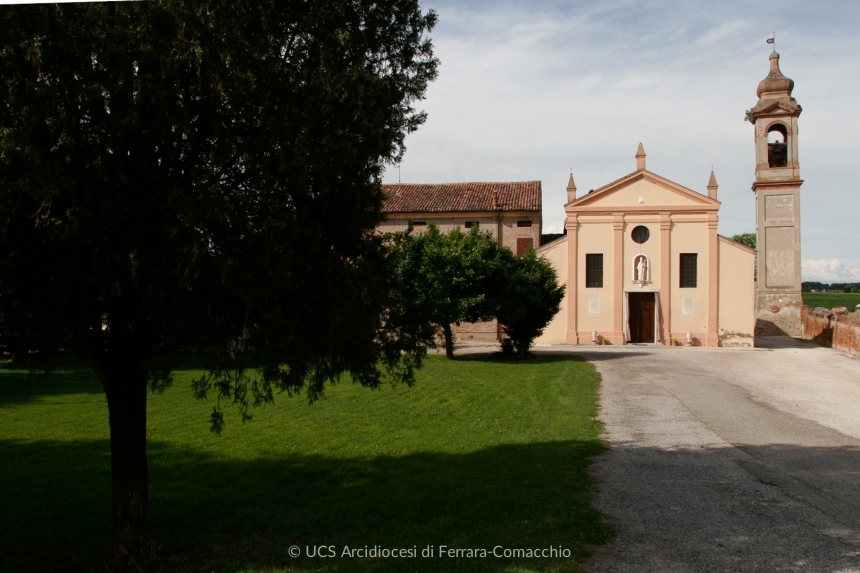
[(640, 234)]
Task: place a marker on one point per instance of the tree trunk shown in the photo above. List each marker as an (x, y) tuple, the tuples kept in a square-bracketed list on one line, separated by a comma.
[(118, 356), (449, 341), (524, 348), (126, 399)]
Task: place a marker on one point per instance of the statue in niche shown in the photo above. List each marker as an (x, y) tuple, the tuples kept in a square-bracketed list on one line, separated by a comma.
[(641, 269)]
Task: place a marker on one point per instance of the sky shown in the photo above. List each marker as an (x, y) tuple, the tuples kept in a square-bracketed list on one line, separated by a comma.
[(527, 91)]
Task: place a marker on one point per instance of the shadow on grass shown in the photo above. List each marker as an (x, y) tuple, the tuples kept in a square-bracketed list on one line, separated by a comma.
[(499, 358), (71, 376), (228, 515), (18, 385)]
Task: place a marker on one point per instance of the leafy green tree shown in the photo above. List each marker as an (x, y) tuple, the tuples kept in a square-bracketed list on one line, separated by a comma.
[(446, 278), (808, 286), (528, 299), (195, 177), (748, 239)]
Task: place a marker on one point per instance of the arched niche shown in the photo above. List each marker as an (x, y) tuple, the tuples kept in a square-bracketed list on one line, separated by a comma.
[(641, 269)]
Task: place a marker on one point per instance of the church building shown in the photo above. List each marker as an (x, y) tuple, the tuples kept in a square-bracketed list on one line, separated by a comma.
[(641, 258), (643, 263)]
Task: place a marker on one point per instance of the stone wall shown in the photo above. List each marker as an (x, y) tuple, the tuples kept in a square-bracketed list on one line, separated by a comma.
[(836, 328), (778, 314)]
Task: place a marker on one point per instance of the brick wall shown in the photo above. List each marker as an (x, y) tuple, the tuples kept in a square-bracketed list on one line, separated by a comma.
[(839, 330), (481, 330), (508, 223)]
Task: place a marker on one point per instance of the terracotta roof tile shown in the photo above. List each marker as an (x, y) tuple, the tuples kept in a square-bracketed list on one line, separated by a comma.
[(447, 197)]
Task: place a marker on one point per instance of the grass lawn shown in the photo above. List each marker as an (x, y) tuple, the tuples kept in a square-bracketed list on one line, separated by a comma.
[(831, 299), (481, 452)]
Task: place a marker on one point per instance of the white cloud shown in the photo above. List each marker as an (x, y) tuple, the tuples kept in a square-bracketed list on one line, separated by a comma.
[(722, 31), (529, 90), (829, 271)]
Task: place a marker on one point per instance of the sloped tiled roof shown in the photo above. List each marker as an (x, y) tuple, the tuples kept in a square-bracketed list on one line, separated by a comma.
[(452, 197)]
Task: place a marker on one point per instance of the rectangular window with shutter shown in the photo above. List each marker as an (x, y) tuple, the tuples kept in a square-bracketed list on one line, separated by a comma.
[(524, 245), (594, 270), (689, 270)]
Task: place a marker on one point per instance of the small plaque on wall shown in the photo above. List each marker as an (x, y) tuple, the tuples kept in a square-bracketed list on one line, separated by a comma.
[(594, 305), (688, 306), (779, 207)]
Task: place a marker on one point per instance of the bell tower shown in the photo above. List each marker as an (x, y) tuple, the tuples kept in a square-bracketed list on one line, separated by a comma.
[(777, 189)]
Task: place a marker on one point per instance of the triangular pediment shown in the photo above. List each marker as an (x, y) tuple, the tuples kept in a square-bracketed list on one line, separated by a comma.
[(777, 107), (643, 190)]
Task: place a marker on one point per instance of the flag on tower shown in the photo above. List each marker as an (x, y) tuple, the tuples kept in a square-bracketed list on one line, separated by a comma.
[(770, 40)]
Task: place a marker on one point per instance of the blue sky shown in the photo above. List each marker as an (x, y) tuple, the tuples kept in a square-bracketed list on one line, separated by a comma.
[(528, 90)]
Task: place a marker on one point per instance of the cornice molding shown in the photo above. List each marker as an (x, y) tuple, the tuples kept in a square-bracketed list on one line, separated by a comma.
[(640, 209), (790, 183), (646, 175)]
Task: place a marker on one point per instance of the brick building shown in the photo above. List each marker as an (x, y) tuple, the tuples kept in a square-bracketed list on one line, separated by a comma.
[(511, 211)]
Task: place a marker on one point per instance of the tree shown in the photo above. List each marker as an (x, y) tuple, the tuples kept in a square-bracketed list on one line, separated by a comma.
[(529, 298), (176, 176), (748, 239), (446, 278)]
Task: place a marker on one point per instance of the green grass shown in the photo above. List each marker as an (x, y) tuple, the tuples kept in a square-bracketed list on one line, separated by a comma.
[(480, 452), (831, 299)]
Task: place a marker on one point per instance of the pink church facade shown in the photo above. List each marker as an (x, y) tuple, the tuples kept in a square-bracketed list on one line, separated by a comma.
[(643, 263)]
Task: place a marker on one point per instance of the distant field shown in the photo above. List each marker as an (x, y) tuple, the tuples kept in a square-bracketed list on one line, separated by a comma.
[(831, 299)]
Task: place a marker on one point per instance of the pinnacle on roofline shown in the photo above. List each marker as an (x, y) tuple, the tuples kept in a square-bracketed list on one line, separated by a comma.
[(712, 186), (640, 158)]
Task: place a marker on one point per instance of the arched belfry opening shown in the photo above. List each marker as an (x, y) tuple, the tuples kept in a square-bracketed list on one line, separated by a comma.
[(777, 145)]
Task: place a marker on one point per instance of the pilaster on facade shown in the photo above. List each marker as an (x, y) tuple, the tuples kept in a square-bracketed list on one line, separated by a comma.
[(572, 227), (617, 336), (713, 335), (666, 275)]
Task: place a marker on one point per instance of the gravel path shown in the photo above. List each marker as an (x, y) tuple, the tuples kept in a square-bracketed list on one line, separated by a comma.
[(729, 460)]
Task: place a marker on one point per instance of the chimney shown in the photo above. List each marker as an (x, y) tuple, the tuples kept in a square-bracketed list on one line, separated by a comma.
[(640, 158), (571, 189), (495, 200), (712, 187)]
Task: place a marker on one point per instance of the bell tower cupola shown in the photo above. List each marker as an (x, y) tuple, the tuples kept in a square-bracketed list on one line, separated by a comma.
[(775, 119), (777, 189)]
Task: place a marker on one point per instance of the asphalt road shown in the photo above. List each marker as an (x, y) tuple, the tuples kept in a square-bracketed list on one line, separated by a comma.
[(729, 459)]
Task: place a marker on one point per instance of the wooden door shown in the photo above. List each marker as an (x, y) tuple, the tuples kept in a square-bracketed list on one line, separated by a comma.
[(524, 245), (641, 306)]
